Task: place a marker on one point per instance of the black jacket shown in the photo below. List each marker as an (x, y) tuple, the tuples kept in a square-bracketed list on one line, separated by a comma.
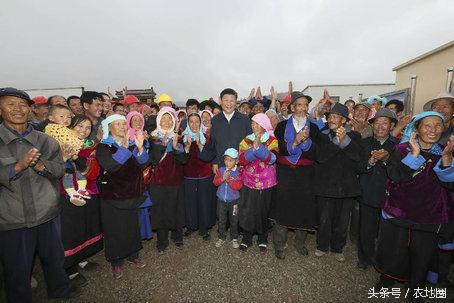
[(335, 170), (373, 179), (225, 134)]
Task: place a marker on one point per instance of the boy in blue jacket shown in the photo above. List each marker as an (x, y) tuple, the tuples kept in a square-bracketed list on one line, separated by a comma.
[(229, 183)]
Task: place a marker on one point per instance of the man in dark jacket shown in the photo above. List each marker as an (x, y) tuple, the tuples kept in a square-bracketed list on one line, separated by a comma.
[(373, 176), (228, 128), (30, 165), (336, 184)]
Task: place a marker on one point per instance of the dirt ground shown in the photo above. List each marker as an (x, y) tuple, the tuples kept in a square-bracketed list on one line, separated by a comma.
[(200, 272)]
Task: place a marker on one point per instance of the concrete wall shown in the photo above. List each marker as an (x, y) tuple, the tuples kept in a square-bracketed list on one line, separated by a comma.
[(344, 92), (65, 92), (431, 72)]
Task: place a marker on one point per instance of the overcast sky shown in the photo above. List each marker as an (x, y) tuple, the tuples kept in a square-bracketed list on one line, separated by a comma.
[(197, 48)]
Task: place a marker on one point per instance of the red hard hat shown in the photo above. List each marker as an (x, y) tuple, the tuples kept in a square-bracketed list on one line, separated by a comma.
[(130, 100)]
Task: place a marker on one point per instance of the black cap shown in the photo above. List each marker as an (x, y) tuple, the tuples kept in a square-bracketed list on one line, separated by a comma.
[(339, 109), (296, 95), (385, 112), (246, 102), (14, 92), (399, 104)]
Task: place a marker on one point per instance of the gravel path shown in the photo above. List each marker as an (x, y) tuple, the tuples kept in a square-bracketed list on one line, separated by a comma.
[(200, 272)]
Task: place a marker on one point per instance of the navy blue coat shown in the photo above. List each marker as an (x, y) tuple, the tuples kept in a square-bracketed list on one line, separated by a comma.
[(225, 134)]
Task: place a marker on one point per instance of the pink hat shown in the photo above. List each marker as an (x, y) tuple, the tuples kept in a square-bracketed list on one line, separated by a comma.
[(39, 100), (263, 120), (130, 100), (132, 131)]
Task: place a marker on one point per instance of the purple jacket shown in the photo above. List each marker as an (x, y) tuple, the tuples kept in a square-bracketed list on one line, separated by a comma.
[(416, 195)]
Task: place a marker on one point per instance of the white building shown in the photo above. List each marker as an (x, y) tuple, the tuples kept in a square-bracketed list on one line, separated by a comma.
[(342, 92), (47, 92)]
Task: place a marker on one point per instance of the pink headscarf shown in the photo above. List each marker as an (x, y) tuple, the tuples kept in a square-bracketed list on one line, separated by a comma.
[(178, 112), (144, 107), (159, 132), (204, 128), (263, 120), (132, 131)]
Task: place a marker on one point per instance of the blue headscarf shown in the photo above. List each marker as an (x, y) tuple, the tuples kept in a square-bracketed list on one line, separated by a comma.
[(435, 149), (372, 99), (106, 122), (188, 131)]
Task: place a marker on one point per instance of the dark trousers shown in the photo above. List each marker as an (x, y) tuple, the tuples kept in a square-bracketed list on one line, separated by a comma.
[(368, 232), (333, 223), (280, 234), (200, 208), (354, 223), (163, 236), (405, 253), (17, 249), (261, 238), (228, 211)]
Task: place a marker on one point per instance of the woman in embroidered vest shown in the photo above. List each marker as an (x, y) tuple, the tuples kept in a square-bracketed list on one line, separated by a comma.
[(121, 191), (198, 181), (294, 205), (167, 157), (80, 225), (258, 153), (136, 122), (416, 205)]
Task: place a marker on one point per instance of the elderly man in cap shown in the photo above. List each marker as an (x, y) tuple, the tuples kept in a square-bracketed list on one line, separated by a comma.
[(443, 103), (336, 181), (359, 121), (40, 109), (31, 163), (373, 176), (294, 205)]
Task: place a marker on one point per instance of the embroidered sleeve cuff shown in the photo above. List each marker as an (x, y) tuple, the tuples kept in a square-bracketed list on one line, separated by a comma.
[(304, 146), (444, 174), (249, 155), (122, 155), (412, 162), (320, 124), (262, 152), (142, 158), (291, 150)]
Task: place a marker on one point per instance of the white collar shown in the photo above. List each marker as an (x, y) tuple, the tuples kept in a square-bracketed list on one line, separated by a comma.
[(228, 116)]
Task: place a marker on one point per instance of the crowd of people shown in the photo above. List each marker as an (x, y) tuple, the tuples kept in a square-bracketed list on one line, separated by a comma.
[(91, 172)]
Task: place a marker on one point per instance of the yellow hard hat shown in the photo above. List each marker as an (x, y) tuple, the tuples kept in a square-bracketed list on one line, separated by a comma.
[(164, 98)]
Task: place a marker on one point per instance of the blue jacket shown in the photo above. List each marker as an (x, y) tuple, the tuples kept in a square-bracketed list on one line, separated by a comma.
[(228, 191)]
